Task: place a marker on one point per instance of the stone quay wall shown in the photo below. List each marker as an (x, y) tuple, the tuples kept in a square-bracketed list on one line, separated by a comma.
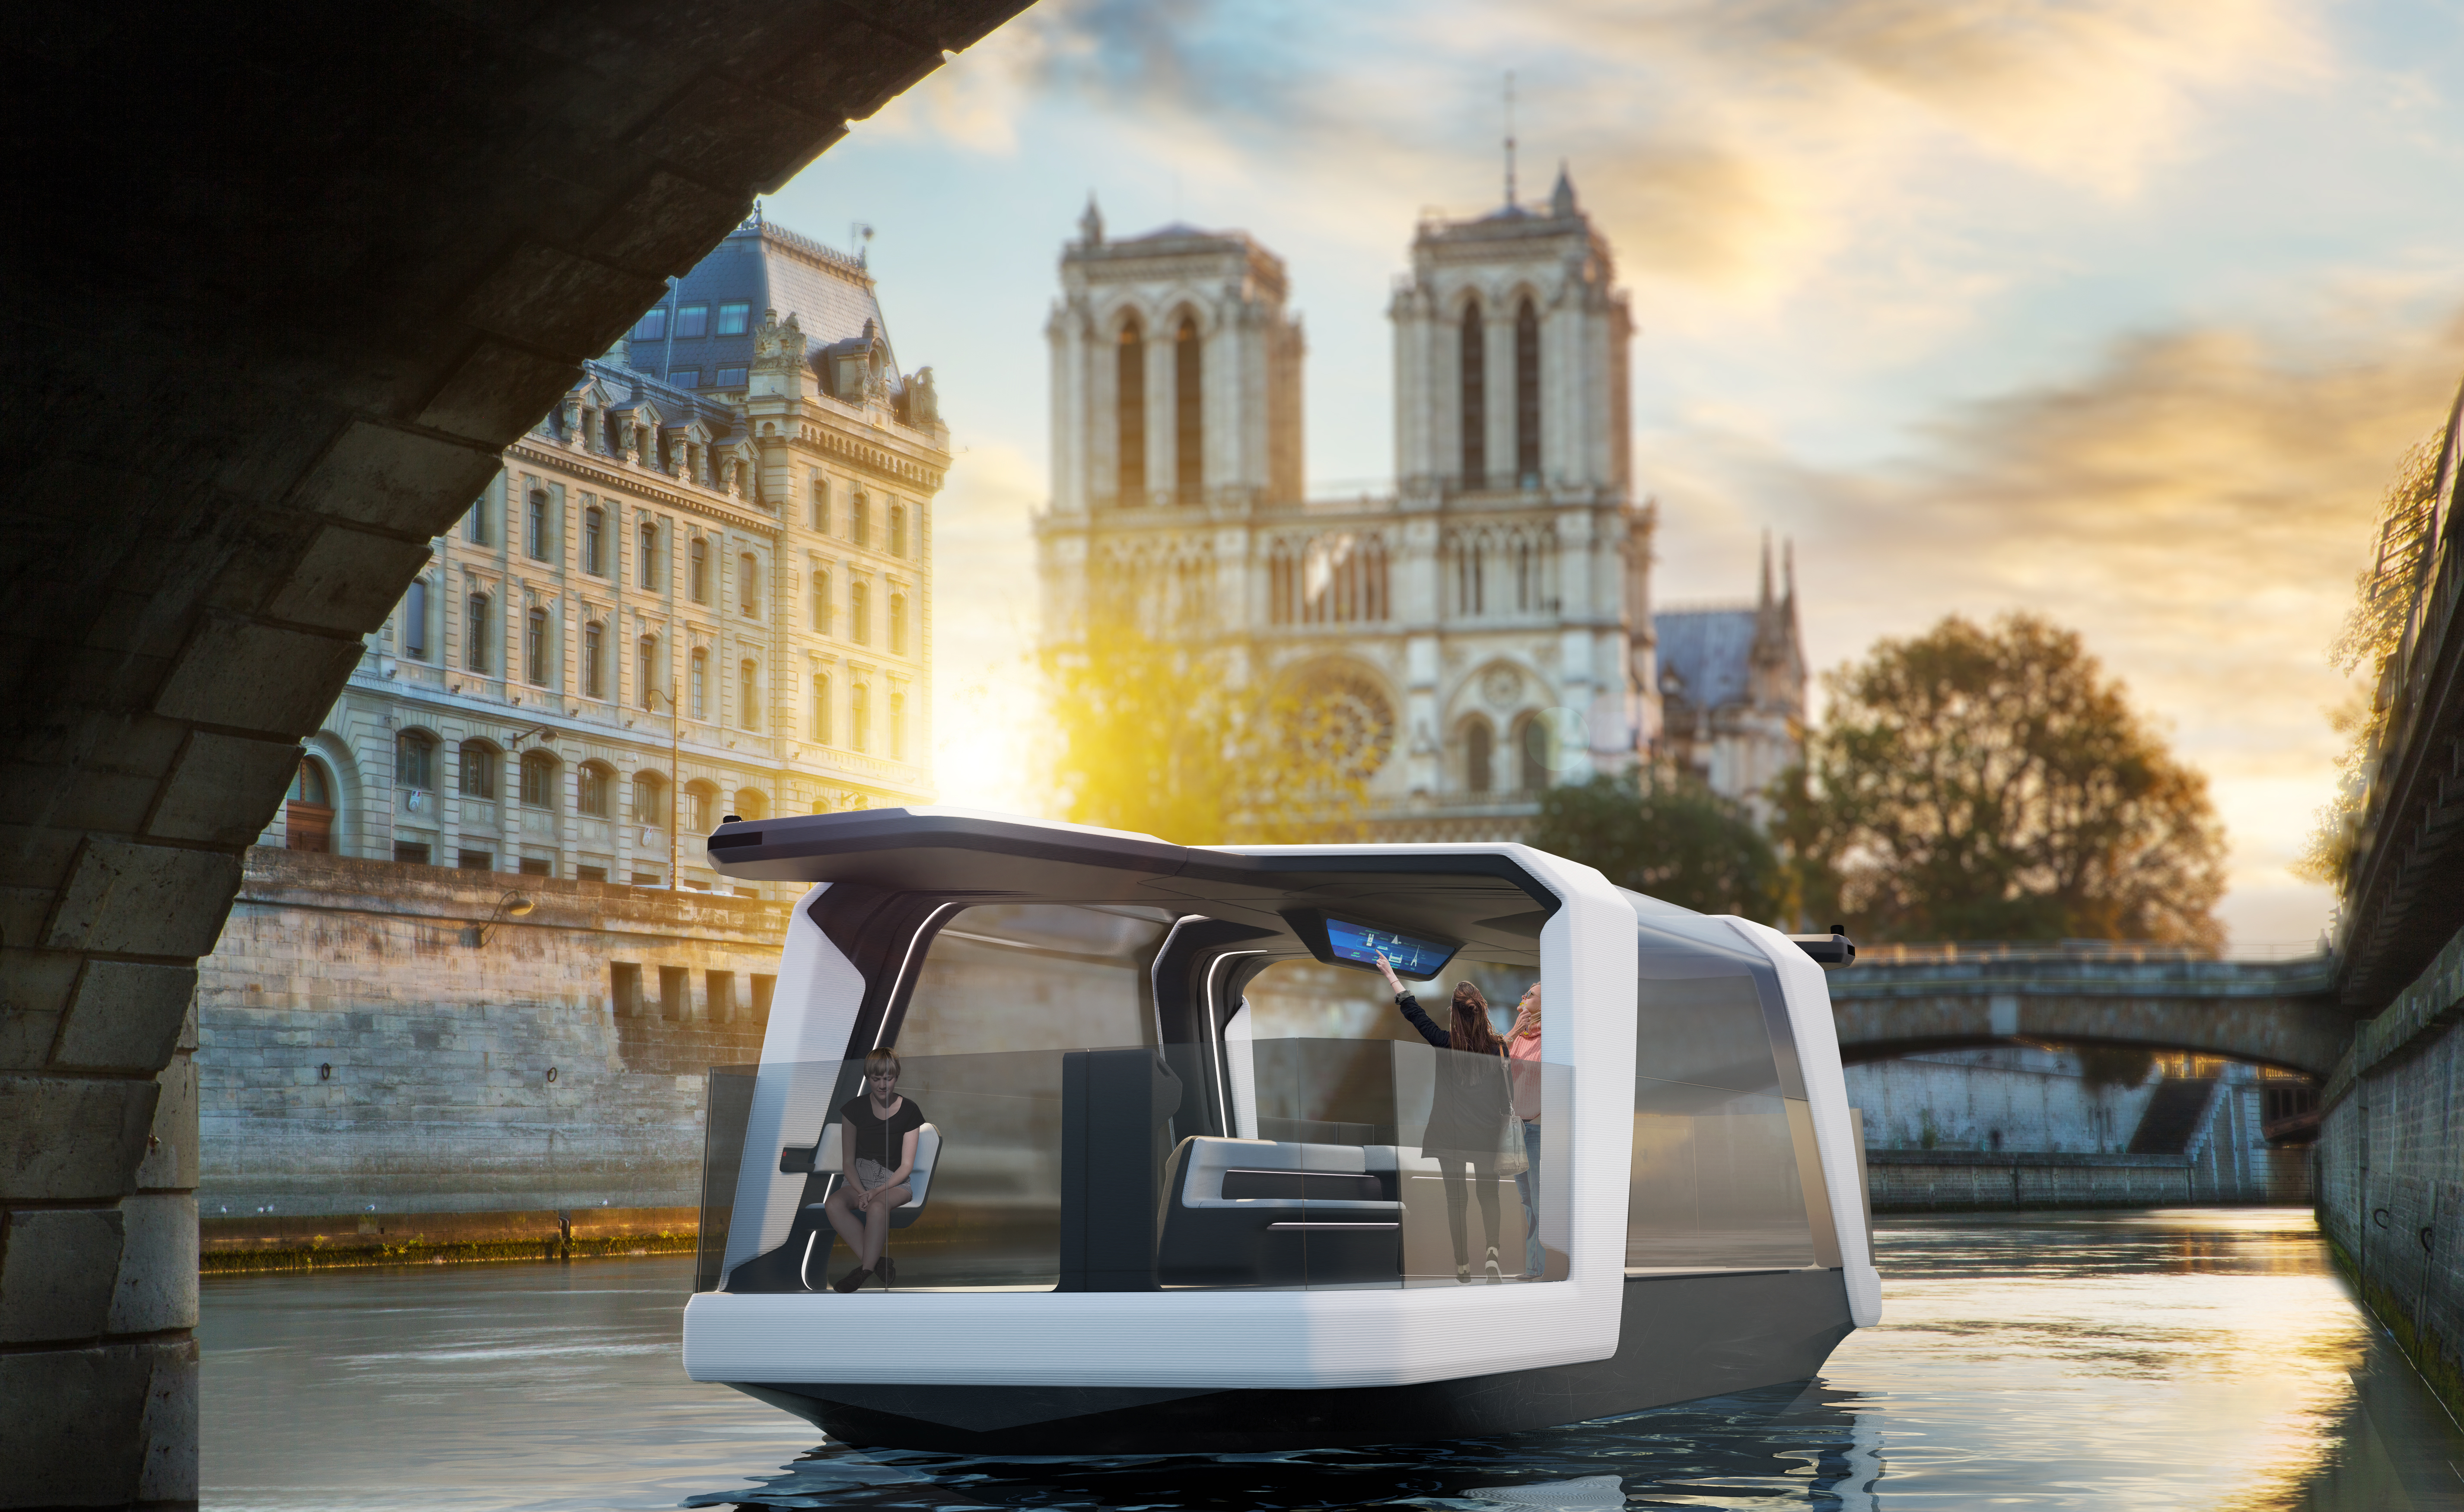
[(369, 1042), (1976, 1181), (2390, 1182)]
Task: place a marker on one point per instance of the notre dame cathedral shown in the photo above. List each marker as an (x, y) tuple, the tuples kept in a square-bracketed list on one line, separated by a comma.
[(1487, 626)]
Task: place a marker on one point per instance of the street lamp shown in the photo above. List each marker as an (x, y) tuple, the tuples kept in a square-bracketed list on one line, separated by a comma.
[(512, 905)]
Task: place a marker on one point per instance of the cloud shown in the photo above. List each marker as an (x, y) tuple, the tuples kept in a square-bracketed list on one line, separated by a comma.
[(2197, 505)]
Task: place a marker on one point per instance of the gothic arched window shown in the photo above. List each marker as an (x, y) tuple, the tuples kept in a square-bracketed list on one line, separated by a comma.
[(1129, 413), (1475, 398), (1527, 395), (1478, 751), (1188, 414), (1537, 747)]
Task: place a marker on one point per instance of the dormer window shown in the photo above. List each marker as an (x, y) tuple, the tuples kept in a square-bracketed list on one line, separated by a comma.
[(734, 320), (652, 326), (686, 378), (728, 378), (692, 321)]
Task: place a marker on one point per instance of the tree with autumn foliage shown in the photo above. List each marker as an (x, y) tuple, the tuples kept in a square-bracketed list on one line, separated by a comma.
[(1166, 738), (1980, 783)]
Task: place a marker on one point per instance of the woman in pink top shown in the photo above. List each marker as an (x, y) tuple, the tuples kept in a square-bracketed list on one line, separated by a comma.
[(1523, 1049)]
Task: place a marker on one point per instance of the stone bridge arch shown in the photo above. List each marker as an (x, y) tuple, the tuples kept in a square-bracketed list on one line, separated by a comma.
[(2282, 1014), (276, 308)]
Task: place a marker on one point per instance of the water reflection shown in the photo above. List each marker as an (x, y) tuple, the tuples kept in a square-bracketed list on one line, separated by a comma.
[(2194, 1359)]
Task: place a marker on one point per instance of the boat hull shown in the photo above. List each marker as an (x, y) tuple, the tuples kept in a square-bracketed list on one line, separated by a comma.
[(1680, 1338)]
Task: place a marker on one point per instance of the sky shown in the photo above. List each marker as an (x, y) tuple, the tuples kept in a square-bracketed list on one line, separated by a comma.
[(2119, 314)]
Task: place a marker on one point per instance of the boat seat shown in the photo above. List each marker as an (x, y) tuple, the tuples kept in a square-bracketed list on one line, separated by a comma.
[(1280, 1213), (828, 1159)]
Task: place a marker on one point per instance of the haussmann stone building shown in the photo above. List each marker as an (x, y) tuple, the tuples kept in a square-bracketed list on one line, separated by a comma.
[(700, 586)]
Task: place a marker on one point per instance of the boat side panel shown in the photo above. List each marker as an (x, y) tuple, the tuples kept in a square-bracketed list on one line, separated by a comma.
[(1826, 1094), (1682, 1337)]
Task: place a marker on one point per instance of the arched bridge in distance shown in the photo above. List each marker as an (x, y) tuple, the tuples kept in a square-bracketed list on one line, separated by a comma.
[(1901, 1001)]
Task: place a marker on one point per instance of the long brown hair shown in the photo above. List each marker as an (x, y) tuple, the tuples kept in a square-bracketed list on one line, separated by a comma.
[(1471, 1027)]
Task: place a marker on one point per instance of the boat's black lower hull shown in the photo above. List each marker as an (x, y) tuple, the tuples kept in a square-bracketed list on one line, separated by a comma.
[(1683, 1337)]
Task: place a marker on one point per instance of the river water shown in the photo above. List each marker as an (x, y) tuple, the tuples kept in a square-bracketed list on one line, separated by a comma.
[(2196, 1359)]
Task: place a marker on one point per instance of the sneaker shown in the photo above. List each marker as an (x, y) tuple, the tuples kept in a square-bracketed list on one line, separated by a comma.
[(888, 1271), (852, 1280)]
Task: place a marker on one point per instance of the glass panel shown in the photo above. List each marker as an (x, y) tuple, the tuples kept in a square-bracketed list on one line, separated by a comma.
[(1714, 1182), (1034, 977), (1356, 1195), (728, 1105)]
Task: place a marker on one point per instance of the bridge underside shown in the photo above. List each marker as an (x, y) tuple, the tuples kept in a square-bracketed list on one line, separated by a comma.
[(283, 281), (2279, 1014)]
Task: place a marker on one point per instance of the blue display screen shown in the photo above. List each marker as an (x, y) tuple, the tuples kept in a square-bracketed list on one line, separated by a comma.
[(1416, 959)]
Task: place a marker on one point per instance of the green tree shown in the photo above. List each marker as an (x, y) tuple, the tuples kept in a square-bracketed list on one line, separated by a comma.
[(2373, 632), (1163, 737), (1668, 835), (1993, 784)]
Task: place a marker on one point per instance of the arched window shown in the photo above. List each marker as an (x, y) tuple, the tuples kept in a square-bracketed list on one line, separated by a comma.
[(308, 813), (475, 633), (539, 780), (819, 716), (860, 714), (594, 541), (820, 516), (748, 700), (534, 539), (898, 624), (649, 799), (1129, 413), (697, 571), (1478, 751), (860, 520), (646, 552), (898, 727), (821, 602), (594, 661), (477, 761), (1538, 751), (748, 586), (700, 804), (1527, 395), (1188, 413), (1475, 398), (700, 692), (413, 640), (898, 528), (859, 612), (592, 789), (751, 802), (534, 656), (414, 761), (645, 671)]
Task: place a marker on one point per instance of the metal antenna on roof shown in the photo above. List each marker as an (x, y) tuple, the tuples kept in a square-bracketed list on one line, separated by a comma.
[(1510, 139)]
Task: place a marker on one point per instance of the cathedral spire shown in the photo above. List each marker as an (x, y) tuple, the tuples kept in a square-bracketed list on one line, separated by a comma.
[(1510, 139), (1091, 225), (1561, 199), (1767, 572)]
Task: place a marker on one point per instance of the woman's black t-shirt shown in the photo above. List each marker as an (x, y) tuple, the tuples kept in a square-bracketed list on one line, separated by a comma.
[(880, 1140)]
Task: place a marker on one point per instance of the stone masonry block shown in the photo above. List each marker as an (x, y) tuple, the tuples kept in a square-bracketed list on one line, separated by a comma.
[(348, 580), (558, 302), (131, 899), (222, 787), (242, 675), (157, 1284), (125, 1015), (496, 391), (68, 1139), (171, 1159), (72, 1433), (55, 1271), (168, 1431), (397, 479)]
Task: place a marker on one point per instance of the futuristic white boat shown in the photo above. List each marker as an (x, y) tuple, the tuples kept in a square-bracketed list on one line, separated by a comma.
[(1183, 1185)]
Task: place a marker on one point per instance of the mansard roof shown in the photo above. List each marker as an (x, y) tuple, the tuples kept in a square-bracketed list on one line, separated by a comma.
[(1707, 653), (763, 266)]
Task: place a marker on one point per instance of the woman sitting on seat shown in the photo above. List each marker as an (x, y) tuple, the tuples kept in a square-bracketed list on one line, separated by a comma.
[(873, 1125)]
